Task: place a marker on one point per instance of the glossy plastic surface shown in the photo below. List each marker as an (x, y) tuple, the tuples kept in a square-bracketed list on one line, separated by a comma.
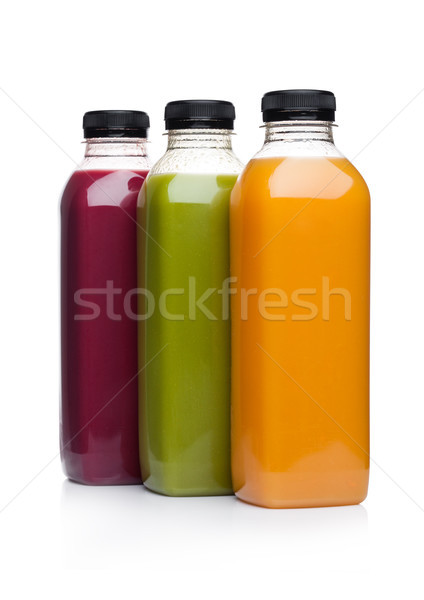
[(99, 407), (300, 352), (185, 387)]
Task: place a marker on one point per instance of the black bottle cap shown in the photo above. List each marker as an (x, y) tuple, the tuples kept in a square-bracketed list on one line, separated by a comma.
[(115, 123), (298, 105), (199, 114)]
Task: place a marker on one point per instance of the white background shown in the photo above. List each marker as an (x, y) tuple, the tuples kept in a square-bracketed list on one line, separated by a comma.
[(60, 59)]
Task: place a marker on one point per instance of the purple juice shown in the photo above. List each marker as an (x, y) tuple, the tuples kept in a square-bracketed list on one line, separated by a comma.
[(99, 406)]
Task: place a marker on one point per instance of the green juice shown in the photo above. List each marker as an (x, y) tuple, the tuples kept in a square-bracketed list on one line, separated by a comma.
[(184, 343)]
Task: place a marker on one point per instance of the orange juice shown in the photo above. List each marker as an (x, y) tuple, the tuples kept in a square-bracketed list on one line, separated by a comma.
[(300, 329)]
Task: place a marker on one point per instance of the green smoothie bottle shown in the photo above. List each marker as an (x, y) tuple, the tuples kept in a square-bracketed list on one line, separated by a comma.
[(184, 289)]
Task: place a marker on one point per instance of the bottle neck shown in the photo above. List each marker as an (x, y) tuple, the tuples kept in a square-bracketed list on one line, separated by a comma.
[(299, 138), (298, 131), (116, 154), (199, 138), (115, 147), (206, 151)]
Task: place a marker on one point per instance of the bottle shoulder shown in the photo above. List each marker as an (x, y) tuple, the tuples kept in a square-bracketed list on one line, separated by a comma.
[(198, 161), (102, 187), (308, 147), (115, 163), (306, 176)]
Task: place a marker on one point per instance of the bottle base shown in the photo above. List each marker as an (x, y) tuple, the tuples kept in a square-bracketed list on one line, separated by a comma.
[(89, 475), (103, 482), (187, 492), (300, 503)]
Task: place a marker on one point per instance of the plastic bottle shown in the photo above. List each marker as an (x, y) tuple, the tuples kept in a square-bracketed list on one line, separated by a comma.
[(184, 339), (99, 404), (300, 244)]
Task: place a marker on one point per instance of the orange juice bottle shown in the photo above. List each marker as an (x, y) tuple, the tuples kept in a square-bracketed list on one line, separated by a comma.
[(300, 243)]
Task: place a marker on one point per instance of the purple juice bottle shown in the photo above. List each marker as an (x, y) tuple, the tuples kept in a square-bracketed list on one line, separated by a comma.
[(99, 406)]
